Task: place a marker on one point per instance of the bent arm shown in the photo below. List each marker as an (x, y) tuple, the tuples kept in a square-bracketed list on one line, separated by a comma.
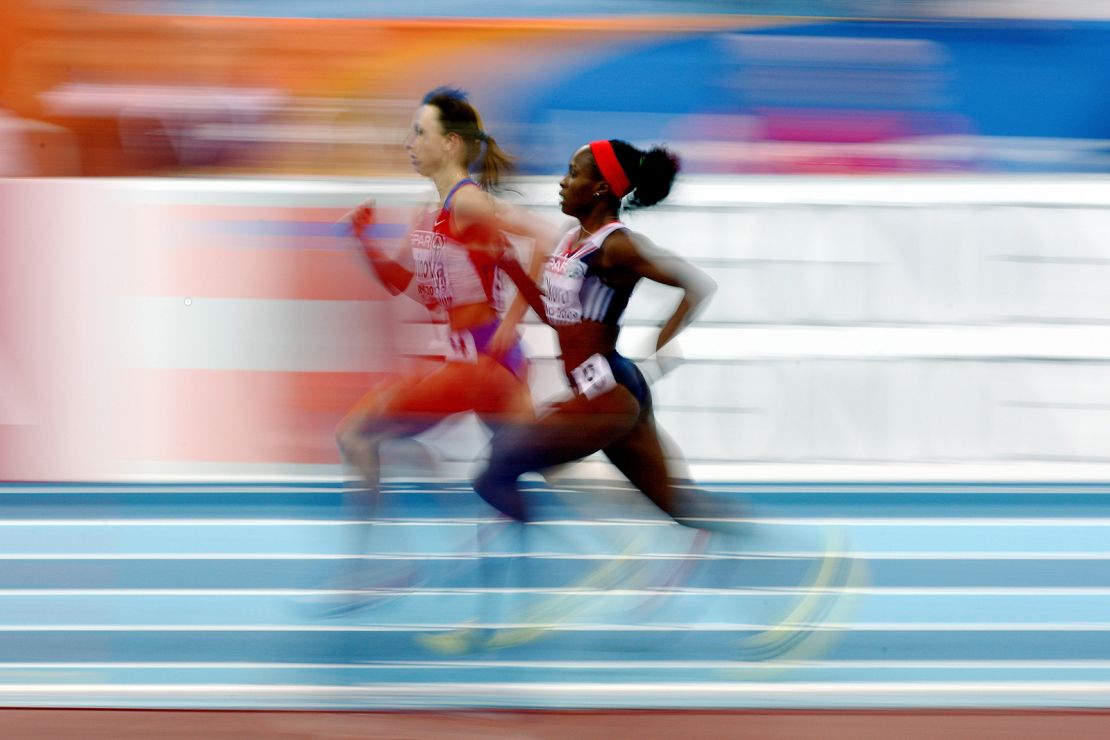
[(528, 291), (394, 275), (644, 259), (485, 220)]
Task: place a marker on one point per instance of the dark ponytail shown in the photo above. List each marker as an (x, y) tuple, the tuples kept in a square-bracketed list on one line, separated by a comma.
[(651, 173), (458, 116)]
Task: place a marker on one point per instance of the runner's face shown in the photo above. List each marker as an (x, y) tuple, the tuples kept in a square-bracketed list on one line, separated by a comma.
[(577, 188), (426, 144)]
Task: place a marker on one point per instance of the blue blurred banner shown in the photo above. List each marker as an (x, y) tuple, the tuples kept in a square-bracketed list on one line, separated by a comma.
[(842, 96)]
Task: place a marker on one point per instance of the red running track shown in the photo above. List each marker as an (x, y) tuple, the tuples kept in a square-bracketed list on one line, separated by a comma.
[(127, 724)]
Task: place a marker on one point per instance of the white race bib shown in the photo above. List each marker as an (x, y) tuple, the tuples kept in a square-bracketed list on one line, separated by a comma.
[(562, 289), (433, 286), (461, 347), (594, 377)]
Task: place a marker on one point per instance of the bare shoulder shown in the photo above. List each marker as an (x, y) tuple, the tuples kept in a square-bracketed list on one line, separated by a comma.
[(472, 205), (643, 243), (625, 247)]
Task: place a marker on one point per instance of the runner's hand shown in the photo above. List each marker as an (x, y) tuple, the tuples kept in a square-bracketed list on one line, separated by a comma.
[(659, 364), (502, 340), (362, 218)]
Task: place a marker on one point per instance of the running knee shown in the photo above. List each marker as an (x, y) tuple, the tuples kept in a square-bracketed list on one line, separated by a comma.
[(345, 441), (501, 495), (350, 442)]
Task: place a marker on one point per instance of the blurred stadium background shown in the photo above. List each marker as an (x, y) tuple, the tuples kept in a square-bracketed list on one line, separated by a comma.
[(905, 207)]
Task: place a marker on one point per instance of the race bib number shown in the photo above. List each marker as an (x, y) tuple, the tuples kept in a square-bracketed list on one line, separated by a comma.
[(461, 347), (594, 377), (562, 286), (432, 284)]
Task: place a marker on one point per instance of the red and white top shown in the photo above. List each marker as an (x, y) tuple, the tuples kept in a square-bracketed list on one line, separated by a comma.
[(445, 272)]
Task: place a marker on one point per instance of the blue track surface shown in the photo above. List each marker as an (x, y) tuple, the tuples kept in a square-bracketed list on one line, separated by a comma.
[(838, 595)]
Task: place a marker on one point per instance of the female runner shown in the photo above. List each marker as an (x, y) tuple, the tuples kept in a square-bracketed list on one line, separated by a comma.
[(586, 285), (449, 264)]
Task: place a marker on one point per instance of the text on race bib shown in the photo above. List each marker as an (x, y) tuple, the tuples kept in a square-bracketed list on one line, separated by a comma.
[(594, 377), (430, 273), (461, 347), (562, 287)]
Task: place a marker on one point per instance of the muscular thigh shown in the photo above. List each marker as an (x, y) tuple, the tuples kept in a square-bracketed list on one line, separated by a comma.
[(569, 431), (485, 387)]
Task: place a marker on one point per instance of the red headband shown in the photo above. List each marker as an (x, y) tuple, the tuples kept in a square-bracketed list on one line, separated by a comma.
[(610, 168)]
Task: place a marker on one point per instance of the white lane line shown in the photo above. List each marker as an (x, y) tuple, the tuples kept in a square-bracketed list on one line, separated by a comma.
[(437, 487), (743, 592), (580, 664), (1087, 522), (840, 627), (704, 688), (753, 556), (691, 694)]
